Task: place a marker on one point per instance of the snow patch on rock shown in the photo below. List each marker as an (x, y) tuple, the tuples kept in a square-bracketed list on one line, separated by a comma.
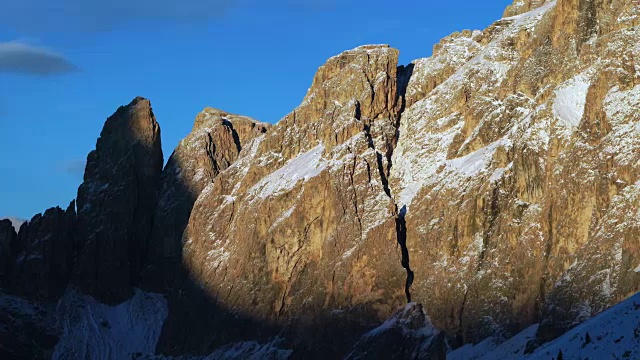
[(475, 162), (303, 167), (570, 100), (285, 215)]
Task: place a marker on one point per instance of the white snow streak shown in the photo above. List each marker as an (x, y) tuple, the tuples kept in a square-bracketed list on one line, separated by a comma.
[(301, 168), (473, 163), (285, 215)]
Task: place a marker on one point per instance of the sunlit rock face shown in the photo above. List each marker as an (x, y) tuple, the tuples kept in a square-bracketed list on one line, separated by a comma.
[(520, 170), (301, 227), (212, 146), (507, 162)]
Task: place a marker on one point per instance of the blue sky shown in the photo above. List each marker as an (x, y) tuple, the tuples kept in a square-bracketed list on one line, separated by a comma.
[(65, 67)]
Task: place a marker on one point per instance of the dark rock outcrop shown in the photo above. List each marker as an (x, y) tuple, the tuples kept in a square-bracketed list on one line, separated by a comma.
[(8, 248), (43, 266), (26, 331), (408, 334), (116, 202)]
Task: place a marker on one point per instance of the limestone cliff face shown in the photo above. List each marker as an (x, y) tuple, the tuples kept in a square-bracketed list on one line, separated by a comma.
[(301, 226), (520, 171), (507, 162), (213, 145), (116, 202)]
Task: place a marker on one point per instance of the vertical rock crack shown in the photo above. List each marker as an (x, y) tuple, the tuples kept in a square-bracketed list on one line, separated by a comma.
[(401, 231)]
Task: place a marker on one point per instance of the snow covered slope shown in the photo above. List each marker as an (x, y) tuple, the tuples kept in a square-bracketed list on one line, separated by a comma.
[(91, 330), (408, 334), (614, 334), (248, 350)]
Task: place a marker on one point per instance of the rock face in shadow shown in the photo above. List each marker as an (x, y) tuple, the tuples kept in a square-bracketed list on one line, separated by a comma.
[(116, 202), (408, 334), (44, 262), (101, 249), (8, 249), (26, 331)]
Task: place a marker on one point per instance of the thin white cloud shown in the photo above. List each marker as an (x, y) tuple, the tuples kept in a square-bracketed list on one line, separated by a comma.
[(16, 222), (74, 168), (37, 16), (22, 58), (28, 16)]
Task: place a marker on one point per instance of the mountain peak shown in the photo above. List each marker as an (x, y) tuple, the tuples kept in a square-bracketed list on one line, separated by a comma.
[(116, 201), (16, 222), (522, 6)]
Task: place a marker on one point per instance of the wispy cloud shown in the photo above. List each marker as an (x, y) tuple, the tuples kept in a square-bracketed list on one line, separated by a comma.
[(93, 15), (36, 16), (74, 168), (16, 222), (22, 58)]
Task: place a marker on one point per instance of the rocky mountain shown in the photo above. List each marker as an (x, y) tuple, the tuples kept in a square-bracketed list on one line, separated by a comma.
[(8, 247), (44, 260), (16, 222), (613, 334), (494, 186), (519, 170), (116, 203)]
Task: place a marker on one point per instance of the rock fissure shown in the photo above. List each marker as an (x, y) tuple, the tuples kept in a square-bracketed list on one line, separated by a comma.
[(355, 196), (211, 151), (401, 231), (403, 75)]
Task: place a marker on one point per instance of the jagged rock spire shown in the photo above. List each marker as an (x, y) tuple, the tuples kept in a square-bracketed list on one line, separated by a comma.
[(116, 202)]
